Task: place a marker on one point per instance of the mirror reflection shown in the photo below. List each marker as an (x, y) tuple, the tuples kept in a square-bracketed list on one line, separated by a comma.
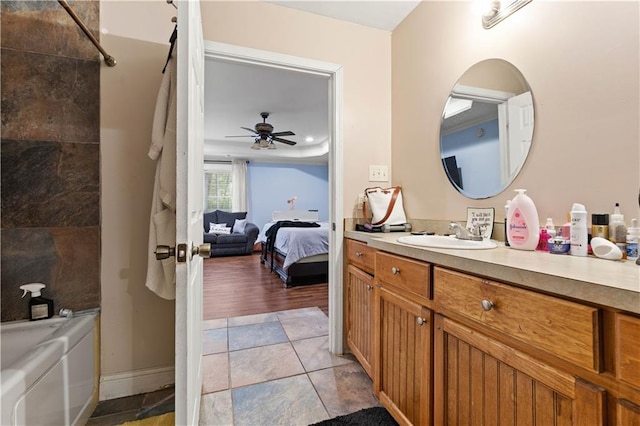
[(486, 128)]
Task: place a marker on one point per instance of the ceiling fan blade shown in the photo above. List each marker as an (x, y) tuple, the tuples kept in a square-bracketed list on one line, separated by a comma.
[(243, 136), (277, 139), (251, 130), (286, 133)]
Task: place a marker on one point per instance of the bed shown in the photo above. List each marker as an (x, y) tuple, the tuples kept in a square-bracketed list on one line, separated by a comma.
[(299, 254)]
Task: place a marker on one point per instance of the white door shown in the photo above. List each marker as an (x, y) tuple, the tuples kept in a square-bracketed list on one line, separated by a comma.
[(189, 202), (520, 112)]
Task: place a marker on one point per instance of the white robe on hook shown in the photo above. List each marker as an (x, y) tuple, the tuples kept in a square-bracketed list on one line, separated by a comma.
[(162, 227)]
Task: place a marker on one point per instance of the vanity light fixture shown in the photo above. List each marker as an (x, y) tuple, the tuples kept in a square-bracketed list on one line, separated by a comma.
[(499, 12)]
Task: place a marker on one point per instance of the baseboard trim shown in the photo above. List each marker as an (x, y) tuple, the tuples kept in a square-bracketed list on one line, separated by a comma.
[(135, 382)]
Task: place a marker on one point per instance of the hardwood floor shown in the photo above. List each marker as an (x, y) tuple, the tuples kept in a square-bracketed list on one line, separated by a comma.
[(241, 285)]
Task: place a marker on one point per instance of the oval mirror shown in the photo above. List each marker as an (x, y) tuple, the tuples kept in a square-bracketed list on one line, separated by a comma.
[(486, 128)]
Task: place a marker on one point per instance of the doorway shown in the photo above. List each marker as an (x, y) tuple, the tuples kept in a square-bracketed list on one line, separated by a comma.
[(333, 72)]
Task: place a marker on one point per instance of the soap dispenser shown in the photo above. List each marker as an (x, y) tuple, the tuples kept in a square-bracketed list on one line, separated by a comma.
[(39, 307)]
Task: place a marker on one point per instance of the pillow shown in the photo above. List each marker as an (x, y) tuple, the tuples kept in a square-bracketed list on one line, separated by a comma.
[(230, 218), (239, 225), (218, 228)]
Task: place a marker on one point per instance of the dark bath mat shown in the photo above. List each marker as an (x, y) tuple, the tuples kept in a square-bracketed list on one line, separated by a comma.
[(374, 416)]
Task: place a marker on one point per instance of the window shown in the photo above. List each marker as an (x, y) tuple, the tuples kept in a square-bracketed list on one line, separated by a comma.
[(217, 187)]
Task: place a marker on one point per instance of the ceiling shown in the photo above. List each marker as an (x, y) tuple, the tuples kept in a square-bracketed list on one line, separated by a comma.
[(236, 93)]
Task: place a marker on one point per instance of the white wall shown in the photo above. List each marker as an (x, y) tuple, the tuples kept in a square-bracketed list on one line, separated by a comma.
[(581, 60)]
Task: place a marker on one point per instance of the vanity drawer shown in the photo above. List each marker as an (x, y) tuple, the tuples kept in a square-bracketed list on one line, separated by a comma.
[(566, 329), (628, 349), (360, 255), (406, 274)]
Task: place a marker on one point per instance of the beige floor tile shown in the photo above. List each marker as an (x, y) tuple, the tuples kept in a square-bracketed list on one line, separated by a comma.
[(216, 409), (257, 365), (344, 389), (214, 323), (314, 354), (252, 319), (305, 327), (215, 372)]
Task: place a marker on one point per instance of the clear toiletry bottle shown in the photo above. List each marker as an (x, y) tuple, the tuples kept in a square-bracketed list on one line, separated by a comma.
[(551, 229), (618, 230), (633, 237), (39, 307)]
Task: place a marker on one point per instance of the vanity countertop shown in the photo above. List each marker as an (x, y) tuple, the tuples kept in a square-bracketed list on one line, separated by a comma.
[(614, 284)]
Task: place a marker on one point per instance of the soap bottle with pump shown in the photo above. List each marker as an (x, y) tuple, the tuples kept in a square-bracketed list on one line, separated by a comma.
[(522, 222), (579, 234), (39, 307)]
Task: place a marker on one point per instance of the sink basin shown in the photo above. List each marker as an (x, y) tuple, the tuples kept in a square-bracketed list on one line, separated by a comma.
[(442, 241)]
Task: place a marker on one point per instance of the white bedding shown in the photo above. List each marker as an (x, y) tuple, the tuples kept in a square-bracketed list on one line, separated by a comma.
[(298, 243)]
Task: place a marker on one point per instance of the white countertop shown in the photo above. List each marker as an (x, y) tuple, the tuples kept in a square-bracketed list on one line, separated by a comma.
[(613, 284)]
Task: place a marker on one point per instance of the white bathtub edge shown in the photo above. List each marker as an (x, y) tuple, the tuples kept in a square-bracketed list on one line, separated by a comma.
[(135, 382)]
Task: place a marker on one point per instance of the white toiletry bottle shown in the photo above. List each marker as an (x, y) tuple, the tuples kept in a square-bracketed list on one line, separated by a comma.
[(522, 222), (39, 307), (579, 234)]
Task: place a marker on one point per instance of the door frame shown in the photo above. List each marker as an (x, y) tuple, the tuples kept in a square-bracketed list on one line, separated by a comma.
[(239, 54)]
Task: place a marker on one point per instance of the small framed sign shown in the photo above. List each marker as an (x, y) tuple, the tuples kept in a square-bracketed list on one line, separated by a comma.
[(483, 218)]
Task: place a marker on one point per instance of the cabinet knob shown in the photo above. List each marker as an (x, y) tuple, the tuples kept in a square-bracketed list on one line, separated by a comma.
[(487, 305), (420, 320), (369, 287), (358, 254), (395, 271)]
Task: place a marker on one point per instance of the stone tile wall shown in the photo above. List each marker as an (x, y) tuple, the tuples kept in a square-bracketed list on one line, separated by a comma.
[(50, 155)]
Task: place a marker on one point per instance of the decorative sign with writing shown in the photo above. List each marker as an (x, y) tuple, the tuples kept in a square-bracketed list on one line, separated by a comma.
[(482, 218)]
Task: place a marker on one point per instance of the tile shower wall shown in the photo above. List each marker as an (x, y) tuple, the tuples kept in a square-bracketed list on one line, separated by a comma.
[(50, 155)]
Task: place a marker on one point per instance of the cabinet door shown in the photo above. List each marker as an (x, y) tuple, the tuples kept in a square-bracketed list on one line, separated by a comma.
[(627, 413), (478, 380), (360, 316), (402, 349)]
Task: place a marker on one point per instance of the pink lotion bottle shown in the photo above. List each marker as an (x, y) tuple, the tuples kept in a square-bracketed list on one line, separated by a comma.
[(522, 222)]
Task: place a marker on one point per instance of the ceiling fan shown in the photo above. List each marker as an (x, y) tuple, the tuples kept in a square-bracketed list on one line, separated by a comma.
[(265, 136)]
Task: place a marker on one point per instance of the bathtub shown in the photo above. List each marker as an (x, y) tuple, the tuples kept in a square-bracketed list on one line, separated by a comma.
[(49, 370)]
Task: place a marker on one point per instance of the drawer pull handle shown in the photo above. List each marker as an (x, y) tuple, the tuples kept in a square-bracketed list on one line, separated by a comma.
[(395, 271), (358, 254), (369, 287), (487, 305), (421, 321)]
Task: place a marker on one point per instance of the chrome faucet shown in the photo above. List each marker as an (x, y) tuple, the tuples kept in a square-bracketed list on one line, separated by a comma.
[(463, 234)]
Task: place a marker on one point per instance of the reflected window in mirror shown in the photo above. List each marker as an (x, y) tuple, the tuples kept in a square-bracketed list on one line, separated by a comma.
[(486, 128)]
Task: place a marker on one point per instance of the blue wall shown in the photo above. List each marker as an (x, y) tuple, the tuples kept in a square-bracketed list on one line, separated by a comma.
[(270, 185), (478, 158)]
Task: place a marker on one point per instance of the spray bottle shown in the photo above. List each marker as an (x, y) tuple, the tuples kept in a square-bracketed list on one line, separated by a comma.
[(39, 307)]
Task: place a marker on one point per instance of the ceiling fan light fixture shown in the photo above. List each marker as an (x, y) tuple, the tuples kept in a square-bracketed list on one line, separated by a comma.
[(271, 145), (256, 145), (264, 143)]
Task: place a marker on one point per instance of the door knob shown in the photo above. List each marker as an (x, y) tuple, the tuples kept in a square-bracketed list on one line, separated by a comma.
[(203, 250), (164, 252)]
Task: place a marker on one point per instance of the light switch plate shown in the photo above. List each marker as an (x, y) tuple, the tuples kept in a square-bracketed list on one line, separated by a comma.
[(378, 173)]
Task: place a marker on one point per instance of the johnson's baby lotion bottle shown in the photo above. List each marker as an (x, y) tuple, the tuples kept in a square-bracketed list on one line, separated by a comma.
[(522, 222)]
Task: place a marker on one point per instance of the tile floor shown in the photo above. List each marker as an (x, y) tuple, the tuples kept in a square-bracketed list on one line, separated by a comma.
[(275, 369), (268, 369)]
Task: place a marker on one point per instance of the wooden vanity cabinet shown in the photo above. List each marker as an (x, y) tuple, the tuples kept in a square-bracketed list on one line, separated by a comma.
[(503, 379), (451, 348), (483, 381), (359, 302), (402, 338), (359, 314)]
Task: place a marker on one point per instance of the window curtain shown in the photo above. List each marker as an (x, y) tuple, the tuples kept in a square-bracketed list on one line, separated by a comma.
[(239, 185)]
